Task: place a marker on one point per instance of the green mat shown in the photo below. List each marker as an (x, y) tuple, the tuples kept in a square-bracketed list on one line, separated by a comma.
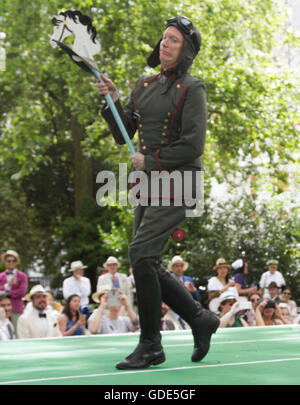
[(238, 356)]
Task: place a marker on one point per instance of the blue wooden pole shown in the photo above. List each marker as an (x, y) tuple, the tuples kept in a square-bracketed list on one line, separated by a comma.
[(116, 115)]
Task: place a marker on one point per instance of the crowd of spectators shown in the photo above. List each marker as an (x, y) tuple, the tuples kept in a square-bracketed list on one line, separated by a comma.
[(112, 308)]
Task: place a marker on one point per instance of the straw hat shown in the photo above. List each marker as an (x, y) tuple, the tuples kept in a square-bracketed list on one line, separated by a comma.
[(177, 259), (96, 297), (77, 265), (10, 253), (37, 289), (221, 263), (111, 260)]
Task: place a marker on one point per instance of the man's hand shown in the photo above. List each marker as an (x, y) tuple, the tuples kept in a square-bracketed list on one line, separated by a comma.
[(107, 86), (138, 161), (190, 287), (123, 298), (12, 281), (262, 305), (103, 301), (235, 308)]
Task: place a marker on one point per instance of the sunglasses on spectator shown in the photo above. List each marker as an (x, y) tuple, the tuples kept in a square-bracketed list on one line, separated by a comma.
[(254, 299), (11, 260), (286, 293)]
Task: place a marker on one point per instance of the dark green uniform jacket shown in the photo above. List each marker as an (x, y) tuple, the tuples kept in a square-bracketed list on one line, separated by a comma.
[(170, 117)]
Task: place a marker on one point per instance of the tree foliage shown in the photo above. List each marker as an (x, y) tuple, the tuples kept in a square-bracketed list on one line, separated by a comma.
[(53, 141)]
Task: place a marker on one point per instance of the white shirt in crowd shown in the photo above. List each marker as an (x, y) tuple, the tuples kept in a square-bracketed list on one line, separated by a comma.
[(9, 276), (7, 330), (81, 287), (31, 325), (214, 284), (267, 278), (121, 325)]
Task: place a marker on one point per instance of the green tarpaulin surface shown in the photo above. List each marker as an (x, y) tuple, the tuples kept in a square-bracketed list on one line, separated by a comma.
[(238, 356)]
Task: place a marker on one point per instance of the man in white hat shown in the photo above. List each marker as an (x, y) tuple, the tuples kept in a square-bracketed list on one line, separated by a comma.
[(77, 283), (38, 322), (107, 318), (272, 275), (14, 282), (178, 266), (115, 279)]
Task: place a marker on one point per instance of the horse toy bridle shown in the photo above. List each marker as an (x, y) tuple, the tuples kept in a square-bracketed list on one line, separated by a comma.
[(65, 27)]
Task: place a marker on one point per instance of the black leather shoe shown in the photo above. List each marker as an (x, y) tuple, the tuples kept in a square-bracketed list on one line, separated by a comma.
[(205, 325), (144, 356)]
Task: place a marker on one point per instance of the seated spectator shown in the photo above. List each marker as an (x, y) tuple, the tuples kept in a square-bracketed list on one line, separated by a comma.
[(254, 298), (52, 304), (37, 321), (268, 314), (170, 320), (273, 290), (220, 283), (112, 322), (286, 298), (77, 283), (115, 279), (28, 304), (240, 267), (71, 322), (7, 330), (177, 266), (231, 313), (271, 275), (285, 312)]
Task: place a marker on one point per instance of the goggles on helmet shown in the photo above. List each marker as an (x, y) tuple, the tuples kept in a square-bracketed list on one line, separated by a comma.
[(187, 27)]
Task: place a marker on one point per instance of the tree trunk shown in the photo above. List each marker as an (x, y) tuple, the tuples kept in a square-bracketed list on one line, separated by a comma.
[(83, 182)]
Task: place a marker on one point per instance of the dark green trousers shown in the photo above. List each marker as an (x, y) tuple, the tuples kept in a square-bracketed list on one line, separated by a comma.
[(152, 228)]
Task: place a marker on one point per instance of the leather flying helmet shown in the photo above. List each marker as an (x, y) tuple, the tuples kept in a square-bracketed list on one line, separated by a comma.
[(191, 45)]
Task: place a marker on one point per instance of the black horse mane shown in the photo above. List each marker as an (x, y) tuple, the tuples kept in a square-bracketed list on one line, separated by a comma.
[(84, 19)]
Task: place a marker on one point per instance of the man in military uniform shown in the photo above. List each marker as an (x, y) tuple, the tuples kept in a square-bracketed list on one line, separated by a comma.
[(169, 112)]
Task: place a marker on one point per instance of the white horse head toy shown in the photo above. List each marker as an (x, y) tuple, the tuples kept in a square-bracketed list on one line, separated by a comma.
[(75, 23), (85, 46)]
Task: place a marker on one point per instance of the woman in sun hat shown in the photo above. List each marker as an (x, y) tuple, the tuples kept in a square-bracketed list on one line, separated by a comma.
[(230, 311), (220, 282)]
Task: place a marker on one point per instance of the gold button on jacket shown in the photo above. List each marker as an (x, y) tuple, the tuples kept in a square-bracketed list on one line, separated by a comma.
[(174, 111)]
